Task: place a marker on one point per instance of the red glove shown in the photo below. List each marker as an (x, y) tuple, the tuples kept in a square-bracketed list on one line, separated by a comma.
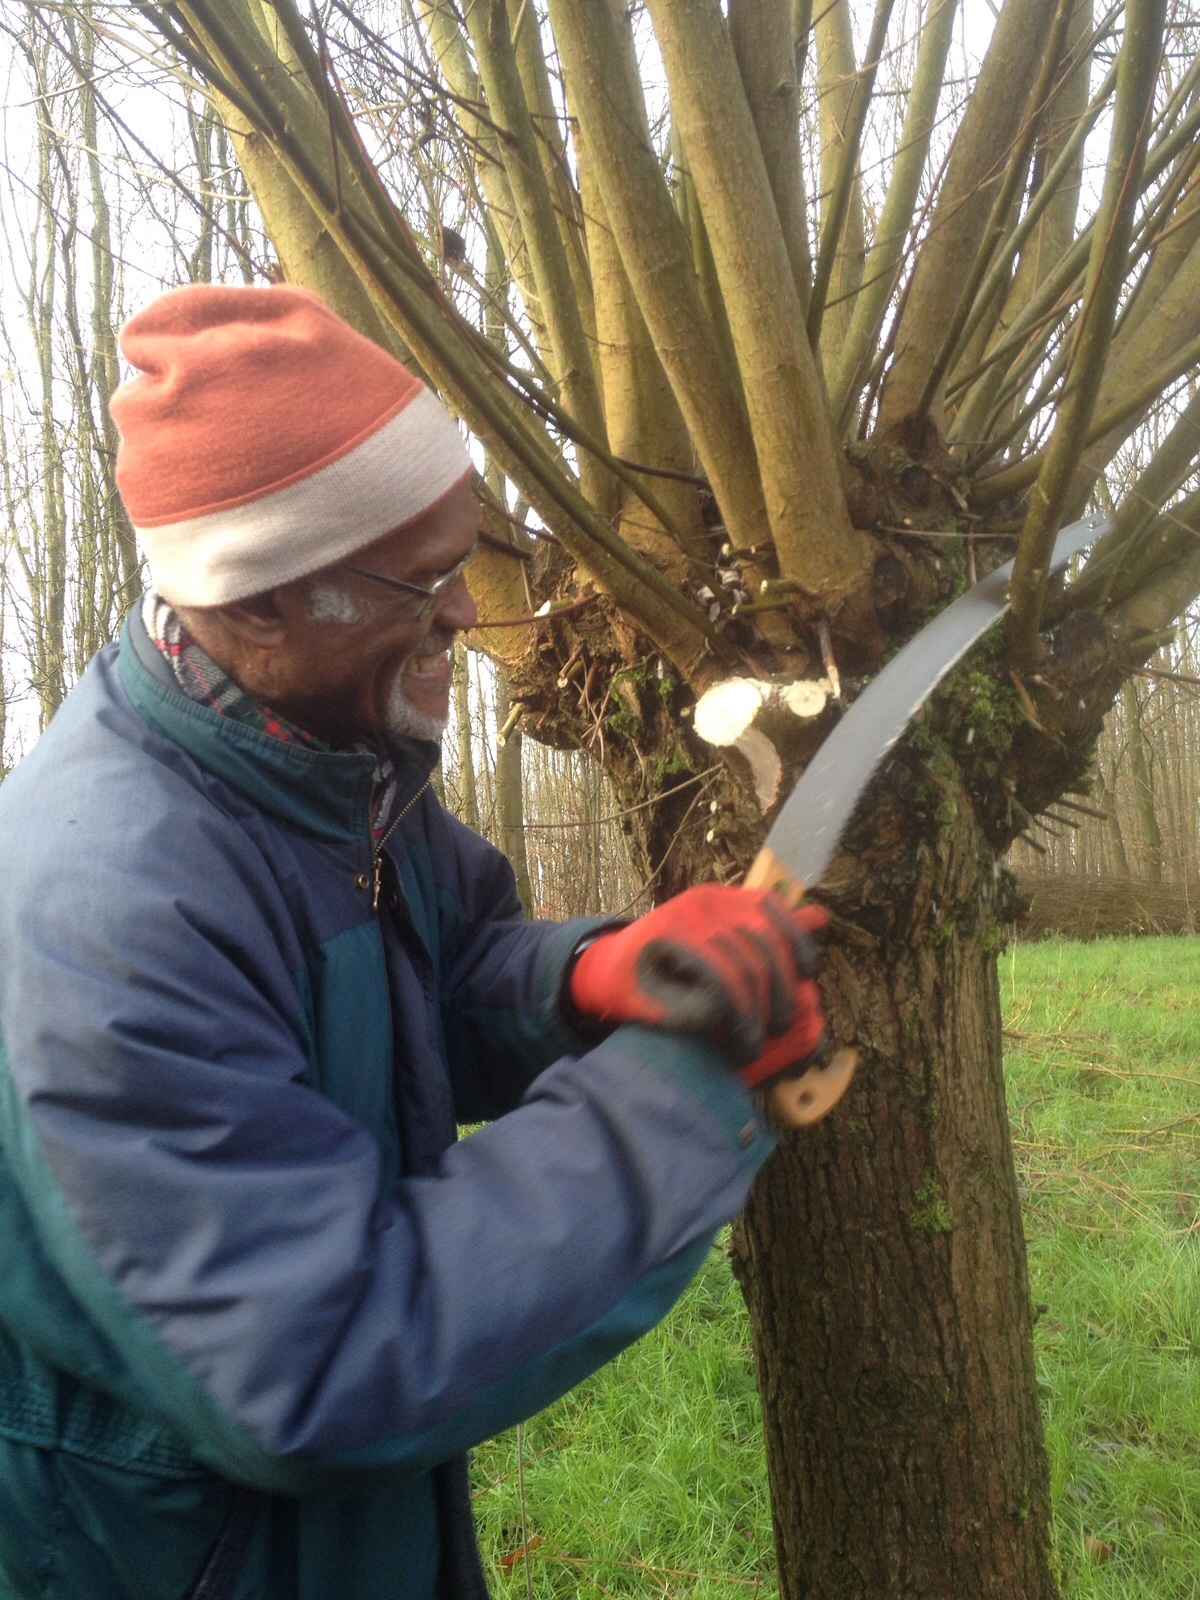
[(797, 1046), (735, 964)]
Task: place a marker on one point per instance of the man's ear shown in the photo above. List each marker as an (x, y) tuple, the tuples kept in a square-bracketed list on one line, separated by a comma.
[(256, 620)]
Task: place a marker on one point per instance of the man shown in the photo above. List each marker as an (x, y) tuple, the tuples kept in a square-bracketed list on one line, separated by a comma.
[(255, 1300)]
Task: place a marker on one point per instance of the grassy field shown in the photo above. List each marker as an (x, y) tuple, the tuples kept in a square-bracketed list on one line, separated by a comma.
[(648, 1481), (1104, 1062)]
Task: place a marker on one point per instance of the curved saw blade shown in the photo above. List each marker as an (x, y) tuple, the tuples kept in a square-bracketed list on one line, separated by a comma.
[(806, 832)]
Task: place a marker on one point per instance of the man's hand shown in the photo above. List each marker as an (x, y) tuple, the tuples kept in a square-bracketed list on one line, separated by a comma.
[(735, 964), (795, 1048)]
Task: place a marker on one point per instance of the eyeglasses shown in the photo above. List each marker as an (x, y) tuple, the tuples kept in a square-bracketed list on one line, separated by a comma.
[(428, 597)]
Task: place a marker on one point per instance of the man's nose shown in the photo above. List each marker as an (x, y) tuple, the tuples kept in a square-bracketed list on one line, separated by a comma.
[(456, 609)]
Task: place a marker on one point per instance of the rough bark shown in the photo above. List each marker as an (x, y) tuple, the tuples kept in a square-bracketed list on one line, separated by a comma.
[(882, 1253)]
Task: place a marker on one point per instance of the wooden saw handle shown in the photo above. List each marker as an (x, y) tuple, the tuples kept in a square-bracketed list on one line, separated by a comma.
[(768, 872), (799, 1102)]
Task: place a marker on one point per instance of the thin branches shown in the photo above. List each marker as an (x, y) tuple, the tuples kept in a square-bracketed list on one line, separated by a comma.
[(1114, 225), (839, 199)]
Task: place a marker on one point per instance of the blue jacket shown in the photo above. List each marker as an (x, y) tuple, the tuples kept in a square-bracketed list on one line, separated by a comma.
[(255, 1300)]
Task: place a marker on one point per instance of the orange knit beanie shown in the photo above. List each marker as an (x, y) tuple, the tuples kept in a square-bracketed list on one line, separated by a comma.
[(262, 439)]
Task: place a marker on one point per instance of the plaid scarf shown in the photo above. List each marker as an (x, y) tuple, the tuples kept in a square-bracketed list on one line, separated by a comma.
[(201, 679)]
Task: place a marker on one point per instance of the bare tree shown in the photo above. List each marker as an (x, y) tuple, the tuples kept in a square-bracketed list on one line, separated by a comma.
[(1143, 824)]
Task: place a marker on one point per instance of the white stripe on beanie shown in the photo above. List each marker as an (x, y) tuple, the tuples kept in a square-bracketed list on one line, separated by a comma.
[(390, 478)]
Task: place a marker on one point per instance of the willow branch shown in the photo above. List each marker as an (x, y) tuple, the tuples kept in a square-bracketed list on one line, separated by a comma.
[(798, 458), (761, 32), (1053, 298), (571, 360), (1014, 179), (600, 70), (991, 126), (544, 113), (439, 19), (1132, 408), (645, 424), (1160, 594), (1107, 570), (396, 240), (1064, 171), (1140, 53), (887, 246), (839, 198)]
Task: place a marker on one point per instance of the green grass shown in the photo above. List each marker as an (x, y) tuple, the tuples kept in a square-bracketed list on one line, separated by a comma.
[(648, 1480), (1104, 1097)]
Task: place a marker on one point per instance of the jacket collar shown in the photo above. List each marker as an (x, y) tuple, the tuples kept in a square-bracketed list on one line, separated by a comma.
[(325, 792)]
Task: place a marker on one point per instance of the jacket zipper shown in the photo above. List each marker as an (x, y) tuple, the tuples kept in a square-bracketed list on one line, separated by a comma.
[(377, 847)]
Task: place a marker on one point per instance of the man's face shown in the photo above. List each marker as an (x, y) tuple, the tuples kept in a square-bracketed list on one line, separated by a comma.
[(346, 655)]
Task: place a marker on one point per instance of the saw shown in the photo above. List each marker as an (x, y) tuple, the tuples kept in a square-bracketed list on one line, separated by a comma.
[(805, 834)]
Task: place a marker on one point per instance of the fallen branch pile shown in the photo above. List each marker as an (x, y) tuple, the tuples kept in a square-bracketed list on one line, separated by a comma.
[(1076, 907)]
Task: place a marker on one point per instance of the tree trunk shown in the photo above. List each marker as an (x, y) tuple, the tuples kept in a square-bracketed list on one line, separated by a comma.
[(468, 794), (510, 794), (884, 1263), (1143, 785), (1106, 800)]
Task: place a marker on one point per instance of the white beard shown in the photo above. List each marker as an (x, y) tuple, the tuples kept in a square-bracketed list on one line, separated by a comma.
[(400, 717)]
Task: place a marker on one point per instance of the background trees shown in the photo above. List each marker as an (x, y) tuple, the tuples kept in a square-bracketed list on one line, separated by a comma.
[(775, 324), (87, 209)]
